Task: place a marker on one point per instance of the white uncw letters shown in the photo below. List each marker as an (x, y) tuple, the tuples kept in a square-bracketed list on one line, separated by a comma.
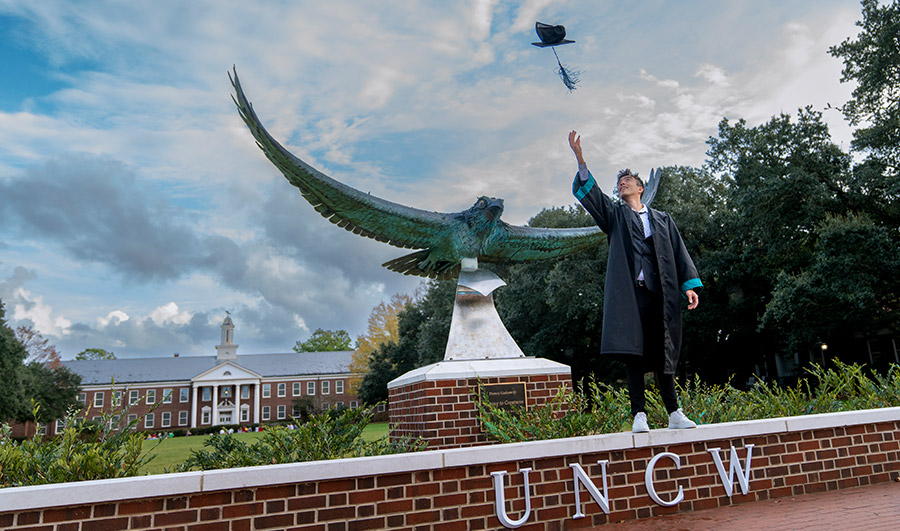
[(735, 464), (648, 479), (582, 478), (500, 500)]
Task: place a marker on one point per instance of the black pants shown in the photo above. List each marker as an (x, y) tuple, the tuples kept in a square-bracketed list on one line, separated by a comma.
[(650, 306)]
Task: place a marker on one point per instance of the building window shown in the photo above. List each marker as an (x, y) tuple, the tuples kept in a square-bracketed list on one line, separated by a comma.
[(326, 387), (282, 389), (134, 397), (184, 394), (353, 404), (381, 407), (132, 421), (167, 396), (207, 394), (148, 420), (326, 406), (166, 419), (245, 413), (117, 398), (151, 396), (339, 387), (226, 392), (282, 412), (98, 399), (295, 410), (266, 412), (81, 398), (339, 405), (267, 390), (310, 388), (60, 426), (245, 392), (182, 418), (206, 414), (296, 389)]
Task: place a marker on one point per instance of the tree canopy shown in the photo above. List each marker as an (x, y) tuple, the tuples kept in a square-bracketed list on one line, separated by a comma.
[(325, 341), (95, 354), (41, 379)]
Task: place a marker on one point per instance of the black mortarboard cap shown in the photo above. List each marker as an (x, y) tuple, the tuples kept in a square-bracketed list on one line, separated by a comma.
[(550, 35)]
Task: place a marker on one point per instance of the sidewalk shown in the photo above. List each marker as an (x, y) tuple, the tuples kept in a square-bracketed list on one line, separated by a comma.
[(872, 508)]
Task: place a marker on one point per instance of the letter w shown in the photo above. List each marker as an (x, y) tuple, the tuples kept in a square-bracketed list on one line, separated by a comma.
[(735, 464), (582, 478)]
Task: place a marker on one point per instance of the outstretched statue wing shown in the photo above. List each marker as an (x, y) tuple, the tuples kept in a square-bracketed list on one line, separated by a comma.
[(356, 211), (521, 244), (652, 186), (402, 226)]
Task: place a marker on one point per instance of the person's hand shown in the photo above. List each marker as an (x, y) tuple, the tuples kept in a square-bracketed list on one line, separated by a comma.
[(575, 144), (693, 299)]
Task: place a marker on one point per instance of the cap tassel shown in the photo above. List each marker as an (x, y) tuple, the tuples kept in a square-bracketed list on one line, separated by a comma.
[(569, 77)]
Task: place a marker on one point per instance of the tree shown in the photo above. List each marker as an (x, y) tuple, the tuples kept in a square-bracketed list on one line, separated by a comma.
[(872, 60), (382, 329), (39, 349), (324, 341), (54, 388), (12, 353), (393, 359), (95, 354)]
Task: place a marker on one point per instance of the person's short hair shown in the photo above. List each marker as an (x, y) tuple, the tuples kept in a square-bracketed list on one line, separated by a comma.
[(627, 171)]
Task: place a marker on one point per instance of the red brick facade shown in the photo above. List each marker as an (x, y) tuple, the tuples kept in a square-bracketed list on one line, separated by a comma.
[(445, 414), (182, 412), (453, 489)]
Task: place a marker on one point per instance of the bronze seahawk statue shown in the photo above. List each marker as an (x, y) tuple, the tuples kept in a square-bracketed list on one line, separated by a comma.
[(445, 239)]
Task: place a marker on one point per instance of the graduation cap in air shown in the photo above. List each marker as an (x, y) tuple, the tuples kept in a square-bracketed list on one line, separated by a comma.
[(553, 36)]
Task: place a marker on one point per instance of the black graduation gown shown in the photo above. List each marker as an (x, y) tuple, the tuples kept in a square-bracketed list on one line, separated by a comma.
[(622, 332)]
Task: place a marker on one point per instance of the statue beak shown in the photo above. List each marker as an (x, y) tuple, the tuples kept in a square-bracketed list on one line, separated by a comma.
[(495, 208)]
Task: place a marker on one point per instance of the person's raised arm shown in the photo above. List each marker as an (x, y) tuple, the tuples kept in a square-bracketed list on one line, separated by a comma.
[(575, 144)]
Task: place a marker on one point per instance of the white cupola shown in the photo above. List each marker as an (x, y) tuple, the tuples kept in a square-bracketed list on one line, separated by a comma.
[(227, 350)]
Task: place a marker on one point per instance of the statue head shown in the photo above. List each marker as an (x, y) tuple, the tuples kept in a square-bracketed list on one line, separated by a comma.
[(485, 211)]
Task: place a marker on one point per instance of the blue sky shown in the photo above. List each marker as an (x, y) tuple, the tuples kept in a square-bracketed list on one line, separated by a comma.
[(135, 208)]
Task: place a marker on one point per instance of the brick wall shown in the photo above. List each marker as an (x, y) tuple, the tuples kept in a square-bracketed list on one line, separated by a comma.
[(453, 489), (445, 413)]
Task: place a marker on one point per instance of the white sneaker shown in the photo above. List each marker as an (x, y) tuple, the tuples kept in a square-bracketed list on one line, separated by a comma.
[(640, 423), (678, 421)]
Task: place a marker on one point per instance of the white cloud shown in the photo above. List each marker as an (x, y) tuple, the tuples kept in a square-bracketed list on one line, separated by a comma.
[(114, 317), (30, 308), (169, 313)]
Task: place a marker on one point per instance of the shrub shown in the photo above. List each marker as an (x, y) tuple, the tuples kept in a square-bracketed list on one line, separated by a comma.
[(600, 408), (330, 435), (84, 450)]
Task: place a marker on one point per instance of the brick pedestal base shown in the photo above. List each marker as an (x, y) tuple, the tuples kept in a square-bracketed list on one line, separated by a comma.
[(437, 403)]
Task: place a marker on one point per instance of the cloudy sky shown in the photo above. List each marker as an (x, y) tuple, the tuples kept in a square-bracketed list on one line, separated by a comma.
[(135, 208)]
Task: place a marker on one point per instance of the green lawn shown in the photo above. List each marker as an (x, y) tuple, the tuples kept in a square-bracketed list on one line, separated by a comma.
[(174, 451)]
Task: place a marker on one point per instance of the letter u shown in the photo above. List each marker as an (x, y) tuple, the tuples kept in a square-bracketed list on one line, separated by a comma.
[(500, 500)]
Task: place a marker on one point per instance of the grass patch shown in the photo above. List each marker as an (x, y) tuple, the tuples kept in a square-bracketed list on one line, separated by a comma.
[(172, 452)]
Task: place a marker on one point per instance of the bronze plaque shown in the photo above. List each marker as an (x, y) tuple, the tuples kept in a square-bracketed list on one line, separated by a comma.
[(505, 395)]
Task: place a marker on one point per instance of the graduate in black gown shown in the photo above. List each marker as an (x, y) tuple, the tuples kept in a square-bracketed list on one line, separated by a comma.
[(648, 274)]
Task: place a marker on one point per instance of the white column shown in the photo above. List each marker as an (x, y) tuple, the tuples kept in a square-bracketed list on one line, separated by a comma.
[(237, 403), (215, 406), (194, 406), (256, 405)]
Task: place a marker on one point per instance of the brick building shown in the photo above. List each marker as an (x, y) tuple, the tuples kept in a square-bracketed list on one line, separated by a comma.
[(205, 391)]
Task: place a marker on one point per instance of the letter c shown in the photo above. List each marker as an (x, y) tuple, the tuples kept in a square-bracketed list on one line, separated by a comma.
[(648, 479)]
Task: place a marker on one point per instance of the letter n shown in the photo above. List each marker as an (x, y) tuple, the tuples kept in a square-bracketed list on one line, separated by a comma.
[(581, 478), (734, 465)]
